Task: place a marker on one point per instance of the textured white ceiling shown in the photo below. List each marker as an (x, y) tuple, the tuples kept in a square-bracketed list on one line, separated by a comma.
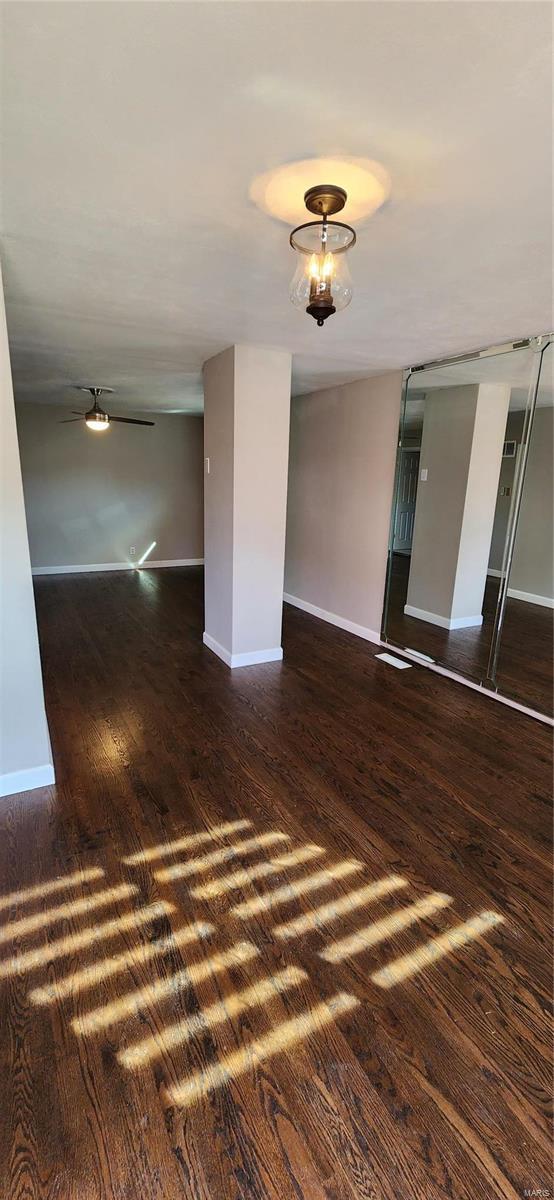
[(132, 133)]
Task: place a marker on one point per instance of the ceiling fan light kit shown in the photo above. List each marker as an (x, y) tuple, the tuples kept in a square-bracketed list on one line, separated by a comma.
[(321, 284), (96, 418)]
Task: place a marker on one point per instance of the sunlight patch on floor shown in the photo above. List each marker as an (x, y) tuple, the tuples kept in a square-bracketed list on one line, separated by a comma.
[(167, 981), (129, 1004), (196, 865), (67, 911), (385, 928), (74, 942), (247, 875), (432, 951), (39, 890), (88, 977), (283, 1037), (338, 908), (215, 1014), (187, 842), (290, 891)]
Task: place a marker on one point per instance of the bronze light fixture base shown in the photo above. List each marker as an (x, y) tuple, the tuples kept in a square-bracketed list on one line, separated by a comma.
[(325, 199), (320, 309)]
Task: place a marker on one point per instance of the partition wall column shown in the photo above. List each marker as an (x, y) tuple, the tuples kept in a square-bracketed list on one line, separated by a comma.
[(246, 445), (461, 453), (25, 753)]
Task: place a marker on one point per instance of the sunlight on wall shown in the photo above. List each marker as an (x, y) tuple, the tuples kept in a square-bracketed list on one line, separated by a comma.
[(289, 891), (283, 1037), (258, 994), (137, 956), (39, 890), (91, 1022), (188, 842), (338, 908), (196, 865), (144, 556), (246, 875), (430, 952), (73, 908), (385, 928), (75, 942)]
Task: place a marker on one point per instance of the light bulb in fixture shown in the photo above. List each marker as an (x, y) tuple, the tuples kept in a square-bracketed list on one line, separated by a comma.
[(313, 267), (97, 419)]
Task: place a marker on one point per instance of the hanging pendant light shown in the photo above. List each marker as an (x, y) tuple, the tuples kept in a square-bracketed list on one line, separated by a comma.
[(322, 283)]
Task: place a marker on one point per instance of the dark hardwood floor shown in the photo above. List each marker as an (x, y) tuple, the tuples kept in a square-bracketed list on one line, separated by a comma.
[(526, 660), (353, 1004)]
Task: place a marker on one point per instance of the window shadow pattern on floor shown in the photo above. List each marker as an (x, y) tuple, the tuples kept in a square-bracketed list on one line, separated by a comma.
[(210, 866)]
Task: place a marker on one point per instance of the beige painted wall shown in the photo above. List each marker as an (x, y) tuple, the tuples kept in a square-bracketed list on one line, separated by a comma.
[(514, 432), (25, 754), (341, 475), (91, 496), (533, 562)]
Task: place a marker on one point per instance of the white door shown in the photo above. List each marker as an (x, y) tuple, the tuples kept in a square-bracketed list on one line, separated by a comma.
[(405, 508)]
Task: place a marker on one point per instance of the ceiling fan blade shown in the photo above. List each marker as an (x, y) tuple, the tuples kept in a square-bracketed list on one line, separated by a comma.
[(70, 420), (130, 420), (78, 414)]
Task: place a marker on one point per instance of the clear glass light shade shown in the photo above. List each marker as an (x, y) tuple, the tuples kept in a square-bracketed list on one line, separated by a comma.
[(97, 421), (322, 272), (308, 277)]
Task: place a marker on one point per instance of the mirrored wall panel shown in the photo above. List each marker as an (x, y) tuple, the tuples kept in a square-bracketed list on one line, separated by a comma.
[(523, 663), (470, 558)]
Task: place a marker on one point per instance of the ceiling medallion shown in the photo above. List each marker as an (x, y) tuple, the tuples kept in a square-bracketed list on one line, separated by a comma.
[(322, 283)]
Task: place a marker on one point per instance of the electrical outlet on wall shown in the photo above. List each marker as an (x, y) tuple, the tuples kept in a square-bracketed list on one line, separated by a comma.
[(132, 551)]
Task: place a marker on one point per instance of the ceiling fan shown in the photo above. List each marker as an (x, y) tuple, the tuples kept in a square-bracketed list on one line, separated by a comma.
[(96, 418)]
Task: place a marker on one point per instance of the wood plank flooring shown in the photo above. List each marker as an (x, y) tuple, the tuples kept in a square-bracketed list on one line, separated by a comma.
[(280, 933)]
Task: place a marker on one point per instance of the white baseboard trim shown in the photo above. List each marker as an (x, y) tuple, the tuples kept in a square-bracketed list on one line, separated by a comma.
[(531, 598), (170, 562), (24, 781), (217, 648), (79, 568), (528, 597), (250, 658), (369, 635), (445, 622)]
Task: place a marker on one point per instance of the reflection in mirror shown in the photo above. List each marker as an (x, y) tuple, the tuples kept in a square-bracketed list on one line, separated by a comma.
[(463, 437), (525, 657)]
